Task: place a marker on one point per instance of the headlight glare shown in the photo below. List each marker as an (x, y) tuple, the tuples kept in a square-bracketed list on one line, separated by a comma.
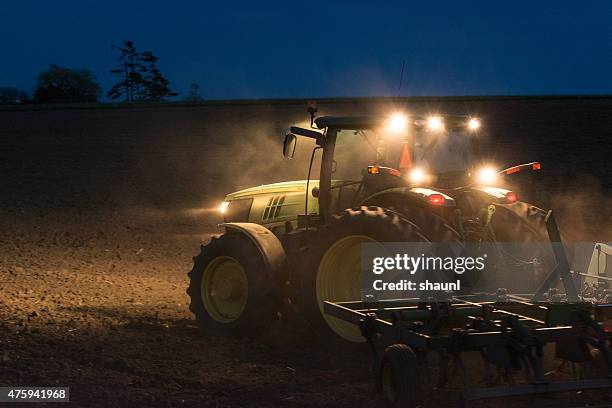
[(435, 123), (486, 176), (223, 206)]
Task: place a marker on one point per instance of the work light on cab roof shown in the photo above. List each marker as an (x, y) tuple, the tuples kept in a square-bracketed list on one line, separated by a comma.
[(474, 124), (397, 122), (435, 123)]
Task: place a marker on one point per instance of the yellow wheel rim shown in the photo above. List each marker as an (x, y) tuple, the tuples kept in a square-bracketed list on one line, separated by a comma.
[(339, 280), (225, 289), (388, 388)]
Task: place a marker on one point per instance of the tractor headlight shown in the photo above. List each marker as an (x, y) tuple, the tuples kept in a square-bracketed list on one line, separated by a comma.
[(417, 176), (435, 123), (486, 176), (397, 123), (474, 124), (223, 206)]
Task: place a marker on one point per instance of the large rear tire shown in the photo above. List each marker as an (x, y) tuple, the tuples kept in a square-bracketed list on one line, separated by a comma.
[(520, 249), (331, 267), (231, 290)]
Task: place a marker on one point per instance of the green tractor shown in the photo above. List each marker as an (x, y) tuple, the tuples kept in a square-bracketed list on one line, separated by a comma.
[(398, 178)]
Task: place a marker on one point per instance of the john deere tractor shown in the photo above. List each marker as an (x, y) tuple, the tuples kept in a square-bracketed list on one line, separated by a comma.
[(398, 178)]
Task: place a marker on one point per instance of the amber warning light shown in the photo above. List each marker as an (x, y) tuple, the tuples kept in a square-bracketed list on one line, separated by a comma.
[(384, 170), (529, 166)]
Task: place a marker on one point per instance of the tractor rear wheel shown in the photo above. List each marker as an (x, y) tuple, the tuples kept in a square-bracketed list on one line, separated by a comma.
[(230, 289), (331, 267), (519, 246)]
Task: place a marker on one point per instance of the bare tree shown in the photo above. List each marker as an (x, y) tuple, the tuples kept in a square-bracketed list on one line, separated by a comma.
[(141, 79), (193, 95), (128, 71), (156, 86)]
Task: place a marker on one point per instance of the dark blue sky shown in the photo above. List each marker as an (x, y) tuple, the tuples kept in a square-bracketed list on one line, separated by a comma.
[(261, 49)]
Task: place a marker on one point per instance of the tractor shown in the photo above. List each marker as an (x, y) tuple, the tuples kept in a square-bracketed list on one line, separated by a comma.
[(298, 247), (392, 178)]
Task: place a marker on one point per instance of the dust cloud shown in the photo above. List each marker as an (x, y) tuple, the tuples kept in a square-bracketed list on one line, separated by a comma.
[(584, 211)]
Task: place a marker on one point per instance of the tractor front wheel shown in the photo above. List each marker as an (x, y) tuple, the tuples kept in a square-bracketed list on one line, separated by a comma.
[(230, 288)]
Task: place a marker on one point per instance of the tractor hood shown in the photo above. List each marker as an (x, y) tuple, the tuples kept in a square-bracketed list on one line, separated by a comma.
[(286, 187), (271, 204), (281, 202)]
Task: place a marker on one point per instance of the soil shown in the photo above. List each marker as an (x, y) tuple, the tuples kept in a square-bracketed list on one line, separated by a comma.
[(98, 303)]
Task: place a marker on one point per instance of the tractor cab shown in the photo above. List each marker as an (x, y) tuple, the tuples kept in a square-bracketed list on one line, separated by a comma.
[(412, 155)]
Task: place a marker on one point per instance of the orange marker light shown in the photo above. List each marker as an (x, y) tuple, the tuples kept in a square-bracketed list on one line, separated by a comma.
[(384, 170), (513, 170), (536, 166)]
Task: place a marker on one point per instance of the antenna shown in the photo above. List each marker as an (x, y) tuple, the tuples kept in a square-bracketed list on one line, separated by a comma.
[(399, 88), (312, 109)]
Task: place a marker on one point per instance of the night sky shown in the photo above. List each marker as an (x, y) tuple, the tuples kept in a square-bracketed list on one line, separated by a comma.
[(264, 49)]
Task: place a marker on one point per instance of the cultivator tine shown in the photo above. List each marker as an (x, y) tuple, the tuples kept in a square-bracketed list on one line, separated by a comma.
[(486, 368), (459, 367), (424, 365), (367, 326), (444, 361), (600, 342)]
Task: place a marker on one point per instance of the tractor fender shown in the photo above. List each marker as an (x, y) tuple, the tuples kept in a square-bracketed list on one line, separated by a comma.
[(416, 195), (267, 243), (532, 217)]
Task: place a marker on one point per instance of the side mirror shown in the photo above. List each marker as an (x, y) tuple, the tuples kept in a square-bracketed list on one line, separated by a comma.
[(289, 145)]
